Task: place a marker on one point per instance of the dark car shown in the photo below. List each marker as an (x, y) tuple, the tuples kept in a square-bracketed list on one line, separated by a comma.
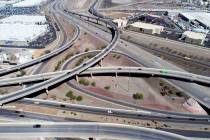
[(36, 126), (21, 115)]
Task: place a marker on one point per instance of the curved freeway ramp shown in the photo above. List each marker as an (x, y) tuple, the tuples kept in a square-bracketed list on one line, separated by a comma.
[(114, 71), (85, 130), (64, 77)]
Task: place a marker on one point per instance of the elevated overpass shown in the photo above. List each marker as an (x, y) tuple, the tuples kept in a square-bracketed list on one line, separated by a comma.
[(114, 71), (63, 77)]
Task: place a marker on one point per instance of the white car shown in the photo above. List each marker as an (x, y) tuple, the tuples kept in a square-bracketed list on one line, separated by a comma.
[(37, 102), (110, 112), (187, 58)]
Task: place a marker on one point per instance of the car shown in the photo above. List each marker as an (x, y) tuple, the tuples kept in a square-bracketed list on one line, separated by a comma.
[(62, 105), (36, 102), (36, 126), (21, 115), (187, 58), (192, 119), (109, 112), (16, 111), (208, 120)]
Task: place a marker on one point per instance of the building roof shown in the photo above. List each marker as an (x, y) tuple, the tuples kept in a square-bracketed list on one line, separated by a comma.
[(119, 20), (200, 16), (29, 3), (23, 19), (20, 32), (4, 2), (146, 25), (194, 35)]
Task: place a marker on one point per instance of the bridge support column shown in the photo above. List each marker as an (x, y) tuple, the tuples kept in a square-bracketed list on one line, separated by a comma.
[(101, 63), (91, 75), (77, 78), (46, 91), (116, 76)]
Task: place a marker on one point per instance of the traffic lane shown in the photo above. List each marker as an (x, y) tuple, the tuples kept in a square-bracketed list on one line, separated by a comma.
[(148, 60), (97, 130), (32, 116), (62, 78), (156, 62)]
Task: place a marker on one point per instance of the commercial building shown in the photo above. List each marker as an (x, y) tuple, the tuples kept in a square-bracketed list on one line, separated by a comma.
[(203, 18), (21, 30), (4, 3), (7, 11), (193, 37), (24, 19), (19, 34), (29, 3), (146, 28), (120, 22)]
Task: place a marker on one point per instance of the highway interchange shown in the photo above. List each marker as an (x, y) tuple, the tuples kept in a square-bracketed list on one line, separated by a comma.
[(51, 80)]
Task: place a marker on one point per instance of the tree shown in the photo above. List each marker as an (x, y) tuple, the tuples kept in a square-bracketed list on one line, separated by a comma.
[(87, 49), (58, 65), (93, 84), (102, 47), (70, 94), (107, 87), (68, 56), (84, 82), (118, 57), (47, 51), (79, 98), (138, 96), (22, 73), (179, 94)]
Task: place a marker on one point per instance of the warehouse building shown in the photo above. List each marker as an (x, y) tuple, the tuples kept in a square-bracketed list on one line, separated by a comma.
[(21, 30), (24, 19), (145, 28), (193, 37), (203, 18), (120, 22), (19, 34)]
